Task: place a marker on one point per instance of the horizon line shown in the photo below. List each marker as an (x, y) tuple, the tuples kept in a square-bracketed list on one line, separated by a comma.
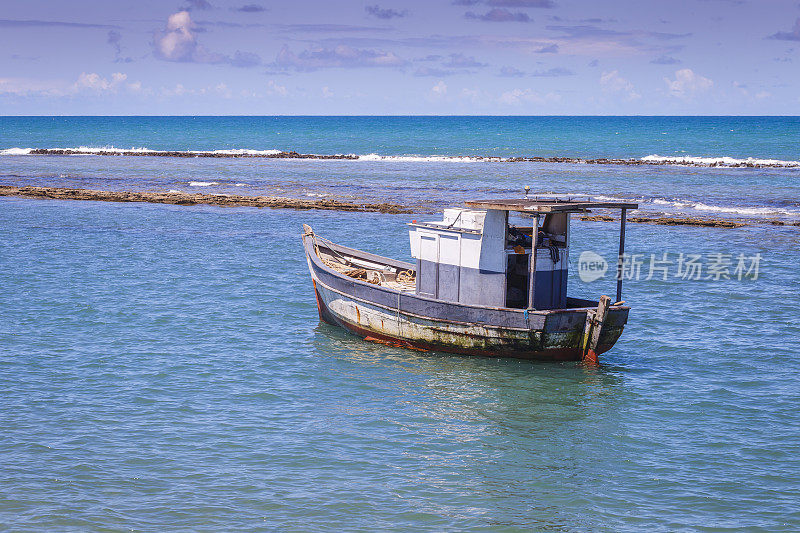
[(405, 116)]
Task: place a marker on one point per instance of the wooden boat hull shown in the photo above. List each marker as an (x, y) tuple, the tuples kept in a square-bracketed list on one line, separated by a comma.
[(404, 319)]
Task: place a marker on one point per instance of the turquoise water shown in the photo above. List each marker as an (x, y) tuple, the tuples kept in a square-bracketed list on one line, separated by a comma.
[(619, 137), (163, 367), (409, 168)]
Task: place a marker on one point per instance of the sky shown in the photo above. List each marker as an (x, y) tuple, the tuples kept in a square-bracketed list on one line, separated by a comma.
[(432, 57)]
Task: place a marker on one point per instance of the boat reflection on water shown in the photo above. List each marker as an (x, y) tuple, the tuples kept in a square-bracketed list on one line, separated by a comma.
[(498, 437), (489, 387)]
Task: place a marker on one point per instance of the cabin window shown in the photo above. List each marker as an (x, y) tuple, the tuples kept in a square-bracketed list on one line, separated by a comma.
[(517, 281), (551, 261)]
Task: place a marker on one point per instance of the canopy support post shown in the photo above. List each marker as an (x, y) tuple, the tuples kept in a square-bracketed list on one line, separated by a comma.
[(621, 253), (532, 262)]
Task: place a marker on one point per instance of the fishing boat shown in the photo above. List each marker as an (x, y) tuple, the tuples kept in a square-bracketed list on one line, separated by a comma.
[(480, 284)]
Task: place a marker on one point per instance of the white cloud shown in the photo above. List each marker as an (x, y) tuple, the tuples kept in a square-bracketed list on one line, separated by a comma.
[(178, 90), (326, 92), (514, 97), (743, 90), (95, 82), (222, 90), (87, 82), (341, 56), (613, 83), (178, 42), (274, 88), (440, 89), (687, 83), (28, 86), (522, 96), (473, 95), (244, 59)]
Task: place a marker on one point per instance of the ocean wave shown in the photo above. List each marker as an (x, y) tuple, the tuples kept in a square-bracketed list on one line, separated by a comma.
[(236, 151), (16, 151), (89, 150), (678, 204), (654, 159), (755, 211), (601, 198), (719, 161), (102, 150), (428, 158), (733, 209), (202, 183)]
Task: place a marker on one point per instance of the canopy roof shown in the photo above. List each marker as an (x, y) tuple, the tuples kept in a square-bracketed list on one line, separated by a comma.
[(546, 205)]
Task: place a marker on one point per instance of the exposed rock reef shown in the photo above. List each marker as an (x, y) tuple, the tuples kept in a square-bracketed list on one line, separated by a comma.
[(672, 221), (235, 200), (154, 153), (491, 159), (182, 198)]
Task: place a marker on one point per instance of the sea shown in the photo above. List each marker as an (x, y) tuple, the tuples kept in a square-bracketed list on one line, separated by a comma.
[(163, 367)]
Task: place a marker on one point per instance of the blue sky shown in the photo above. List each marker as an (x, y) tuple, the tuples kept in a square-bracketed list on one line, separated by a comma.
[(529, 57)]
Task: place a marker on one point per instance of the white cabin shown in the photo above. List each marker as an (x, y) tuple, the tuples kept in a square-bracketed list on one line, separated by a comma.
[(473, 256)]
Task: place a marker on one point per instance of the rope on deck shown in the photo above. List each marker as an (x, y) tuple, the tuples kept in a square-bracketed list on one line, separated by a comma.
[(405, 280)]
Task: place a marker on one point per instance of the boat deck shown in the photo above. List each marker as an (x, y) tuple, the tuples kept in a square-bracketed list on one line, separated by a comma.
[(375, 273)]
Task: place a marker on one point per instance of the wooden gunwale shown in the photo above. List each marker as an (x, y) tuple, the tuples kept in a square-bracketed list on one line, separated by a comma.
[(415, 315)]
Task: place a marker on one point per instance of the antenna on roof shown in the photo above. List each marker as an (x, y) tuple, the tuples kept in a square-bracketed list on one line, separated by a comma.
[(527, 190)]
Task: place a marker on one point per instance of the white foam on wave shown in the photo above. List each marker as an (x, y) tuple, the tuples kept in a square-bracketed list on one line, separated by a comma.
[(236, 151), (681, 205), (733, 210), (430, 158), (202, 183), (96, 150), (89, 150), (601, 198), (16, 151), (753, 211), (723, 161)]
